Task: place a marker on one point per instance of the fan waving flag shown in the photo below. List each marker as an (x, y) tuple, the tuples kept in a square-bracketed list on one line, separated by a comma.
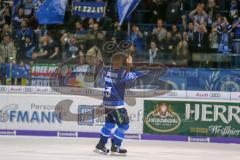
[(50, 11), (125, 8)]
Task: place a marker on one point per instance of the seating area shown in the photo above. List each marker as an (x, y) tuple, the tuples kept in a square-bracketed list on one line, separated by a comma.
[(175, 33)]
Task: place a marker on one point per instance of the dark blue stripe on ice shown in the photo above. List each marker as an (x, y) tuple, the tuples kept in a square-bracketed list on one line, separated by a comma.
[(224, 140), (36, 133), (164, 137), (88, 135), (143, 137)]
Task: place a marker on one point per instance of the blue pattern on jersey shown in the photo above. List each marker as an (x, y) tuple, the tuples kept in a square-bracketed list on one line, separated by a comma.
[(115, 84)]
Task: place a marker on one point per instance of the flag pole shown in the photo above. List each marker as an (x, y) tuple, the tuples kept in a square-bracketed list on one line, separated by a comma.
[(129, 28), (105, 9)]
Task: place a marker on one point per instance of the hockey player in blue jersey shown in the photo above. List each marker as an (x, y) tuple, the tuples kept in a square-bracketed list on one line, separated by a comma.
[(113, 100)]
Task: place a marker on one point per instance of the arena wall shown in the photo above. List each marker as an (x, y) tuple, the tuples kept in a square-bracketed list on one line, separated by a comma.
[(199, 116)]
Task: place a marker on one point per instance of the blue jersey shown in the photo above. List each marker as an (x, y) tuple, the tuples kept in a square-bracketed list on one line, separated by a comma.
[(115, 84)]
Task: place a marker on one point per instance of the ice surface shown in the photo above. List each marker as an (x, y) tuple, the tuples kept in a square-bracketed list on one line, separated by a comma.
[(39, 148)]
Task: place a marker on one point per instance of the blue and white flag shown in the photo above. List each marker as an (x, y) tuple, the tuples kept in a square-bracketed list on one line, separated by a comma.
[(125, 8), (50, 11), (15, 5), (89, 9), (15, 2), (16, 71)]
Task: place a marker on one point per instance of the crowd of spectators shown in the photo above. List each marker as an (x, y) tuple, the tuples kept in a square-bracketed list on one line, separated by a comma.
[(211, 27), (177, 32)]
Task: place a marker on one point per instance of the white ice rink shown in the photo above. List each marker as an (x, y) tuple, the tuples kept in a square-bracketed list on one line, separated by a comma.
[(32, 148)]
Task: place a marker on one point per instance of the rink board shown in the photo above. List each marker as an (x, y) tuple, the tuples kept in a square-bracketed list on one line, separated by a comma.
[(30, 111)]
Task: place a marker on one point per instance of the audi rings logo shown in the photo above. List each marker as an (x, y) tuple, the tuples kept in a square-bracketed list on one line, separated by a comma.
[(112, 46), (3, 89), (173, 94), (215, 95)]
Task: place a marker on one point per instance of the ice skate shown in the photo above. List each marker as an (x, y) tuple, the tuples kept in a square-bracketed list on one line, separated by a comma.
[(101, 149), (118, 151)]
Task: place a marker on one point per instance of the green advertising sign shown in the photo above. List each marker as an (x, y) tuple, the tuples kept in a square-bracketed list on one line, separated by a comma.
[(192, 118)]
